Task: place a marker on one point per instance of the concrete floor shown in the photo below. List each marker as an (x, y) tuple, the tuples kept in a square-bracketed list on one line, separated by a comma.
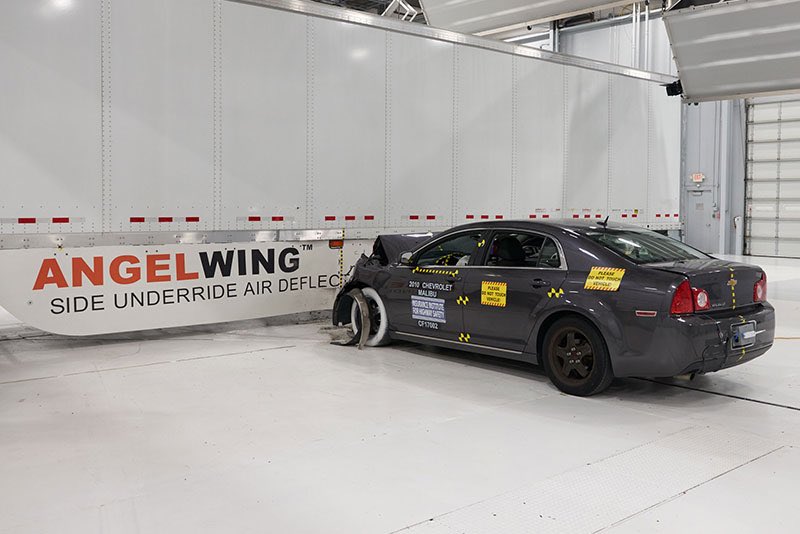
[(247, 428)]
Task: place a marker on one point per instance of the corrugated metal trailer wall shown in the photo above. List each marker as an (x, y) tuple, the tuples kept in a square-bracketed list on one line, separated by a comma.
[(773, 177), (162, 118)]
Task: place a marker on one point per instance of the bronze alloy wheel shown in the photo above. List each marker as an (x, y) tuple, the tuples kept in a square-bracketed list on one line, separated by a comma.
[(575, 357), (571, 355)]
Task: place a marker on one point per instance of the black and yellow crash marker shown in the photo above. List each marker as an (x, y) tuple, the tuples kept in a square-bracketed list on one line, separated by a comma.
[(462, 300), (464, 338), (557, 293), (425, 270), (481, 243)]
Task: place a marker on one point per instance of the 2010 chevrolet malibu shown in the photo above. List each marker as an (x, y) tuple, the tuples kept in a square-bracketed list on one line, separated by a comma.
[(587, 301)]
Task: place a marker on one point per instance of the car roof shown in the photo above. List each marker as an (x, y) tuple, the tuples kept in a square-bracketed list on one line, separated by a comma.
[(575, 225)]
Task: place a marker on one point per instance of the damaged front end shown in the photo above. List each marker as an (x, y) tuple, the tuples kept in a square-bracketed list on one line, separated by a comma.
[(370, 274)]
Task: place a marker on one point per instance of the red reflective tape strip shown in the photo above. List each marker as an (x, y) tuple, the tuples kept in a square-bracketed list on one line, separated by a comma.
[(532, 216), (586, 216), (164, 219), (349, 217), (597, 215), (254, 218), (330, 217), (575, 215), (192, 219), (26, 220), (658, 215), (498, 216), (137, 219), (546, 216), (60, 220), (369, 217), (414, 217), (676, 215), (431, 217), (635, 215), (666, 215), (624, 215), (277, 218), (484, 216), (470, 216)]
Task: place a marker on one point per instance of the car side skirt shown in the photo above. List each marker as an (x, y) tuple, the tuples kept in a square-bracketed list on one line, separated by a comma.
[(468, 347)]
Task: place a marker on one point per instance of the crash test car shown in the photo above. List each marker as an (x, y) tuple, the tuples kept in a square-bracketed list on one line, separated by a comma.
[(587, 301)]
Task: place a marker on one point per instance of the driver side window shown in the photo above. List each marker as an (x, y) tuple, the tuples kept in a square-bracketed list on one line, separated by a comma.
[(522, 249), (454, 251)]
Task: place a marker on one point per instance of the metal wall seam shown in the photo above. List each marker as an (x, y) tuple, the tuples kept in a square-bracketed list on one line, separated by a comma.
[(387, 131), (454, 201), (514, 137), (105, 116), (778, 182), (310, 212), (216, 207), (565, 144), (610, 157), (649, 159)]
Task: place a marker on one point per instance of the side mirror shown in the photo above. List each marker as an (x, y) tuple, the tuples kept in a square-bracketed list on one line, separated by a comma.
[(405, 258)]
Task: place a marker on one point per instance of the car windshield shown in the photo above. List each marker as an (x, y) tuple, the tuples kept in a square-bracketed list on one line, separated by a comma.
[(644, 246)]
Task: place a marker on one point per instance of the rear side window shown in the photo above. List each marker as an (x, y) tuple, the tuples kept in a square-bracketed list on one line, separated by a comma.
[(522, 249), (452, 251), (644, 246)]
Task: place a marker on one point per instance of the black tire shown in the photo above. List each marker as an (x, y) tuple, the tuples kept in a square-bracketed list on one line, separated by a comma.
[(575, 357)]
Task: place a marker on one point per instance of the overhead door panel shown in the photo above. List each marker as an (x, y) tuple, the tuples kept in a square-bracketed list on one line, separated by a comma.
[(773, 177)]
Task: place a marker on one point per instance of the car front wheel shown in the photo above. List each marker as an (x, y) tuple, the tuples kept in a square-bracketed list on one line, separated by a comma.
[(575, 357), (379, 327)]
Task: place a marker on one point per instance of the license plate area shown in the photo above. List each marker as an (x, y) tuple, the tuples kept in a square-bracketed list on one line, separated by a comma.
[(743, 335)]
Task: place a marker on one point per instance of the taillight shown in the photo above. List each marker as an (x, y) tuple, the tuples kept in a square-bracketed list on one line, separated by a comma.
[(701, 301), (760, 289), (682, 301)]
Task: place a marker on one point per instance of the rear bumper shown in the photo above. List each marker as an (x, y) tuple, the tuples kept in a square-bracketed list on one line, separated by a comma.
[(700, 344)]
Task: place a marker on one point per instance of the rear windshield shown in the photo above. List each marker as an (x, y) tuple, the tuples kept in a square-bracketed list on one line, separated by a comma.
[(644, 246)]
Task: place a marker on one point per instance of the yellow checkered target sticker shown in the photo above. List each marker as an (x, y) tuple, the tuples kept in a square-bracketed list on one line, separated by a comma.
[(493, 293), (604, 279)]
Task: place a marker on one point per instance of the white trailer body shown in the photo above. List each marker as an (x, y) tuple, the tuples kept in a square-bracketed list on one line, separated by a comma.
[(139, 128)]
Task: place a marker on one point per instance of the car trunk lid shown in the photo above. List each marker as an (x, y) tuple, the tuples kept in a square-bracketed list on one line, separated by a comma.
[(729, 284)]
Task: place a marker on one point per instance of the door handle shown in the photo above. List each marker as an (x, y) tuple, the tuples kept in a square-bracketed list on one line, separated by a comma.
[(538, 282)]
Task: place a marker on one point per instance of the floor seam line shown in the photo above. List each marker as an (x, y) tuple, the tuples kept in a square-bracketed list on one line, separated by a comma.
[(684, 492)]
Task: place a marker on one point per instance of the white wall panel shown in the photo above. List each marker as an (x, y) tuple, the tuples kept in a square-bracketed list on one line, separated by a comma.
[(347, 75), (162, 130), (538, 138), (263, 118), (587, 143), (663, 154), (483, 134), (50, 142), (628, 152), (420, 168)]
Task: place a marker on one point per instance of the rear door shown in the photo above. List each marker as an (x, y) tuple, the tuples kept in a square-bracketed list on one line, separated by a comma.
[(423, 297), (520, 274)]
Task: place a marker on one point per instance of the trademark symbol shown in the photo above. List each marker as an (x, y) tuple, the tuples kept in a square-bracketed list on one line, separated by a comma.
[(307, 246)]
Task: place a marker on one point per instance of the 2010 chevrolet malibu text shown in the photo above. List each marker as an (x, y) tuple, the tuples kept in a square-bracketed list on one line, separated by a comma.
[(587, 301)]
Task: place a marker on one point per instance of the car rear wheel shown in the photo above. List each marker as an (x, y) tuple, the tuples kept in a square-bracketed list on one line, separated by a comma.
[(575, 357), (379, 324)]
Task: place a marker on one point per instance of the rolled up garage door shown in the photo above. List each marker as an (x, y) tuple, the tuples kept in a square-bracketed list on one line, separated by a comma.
[(772, 225)]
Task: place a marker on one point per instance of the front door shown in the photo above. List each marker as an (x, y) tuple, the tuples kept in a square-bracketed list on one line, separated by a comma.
[(423, 296), (520, 275)]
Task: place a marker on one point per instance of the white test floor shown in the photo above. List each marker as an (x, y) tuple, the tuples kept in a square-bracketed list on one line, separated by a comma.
[(247, 428)]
